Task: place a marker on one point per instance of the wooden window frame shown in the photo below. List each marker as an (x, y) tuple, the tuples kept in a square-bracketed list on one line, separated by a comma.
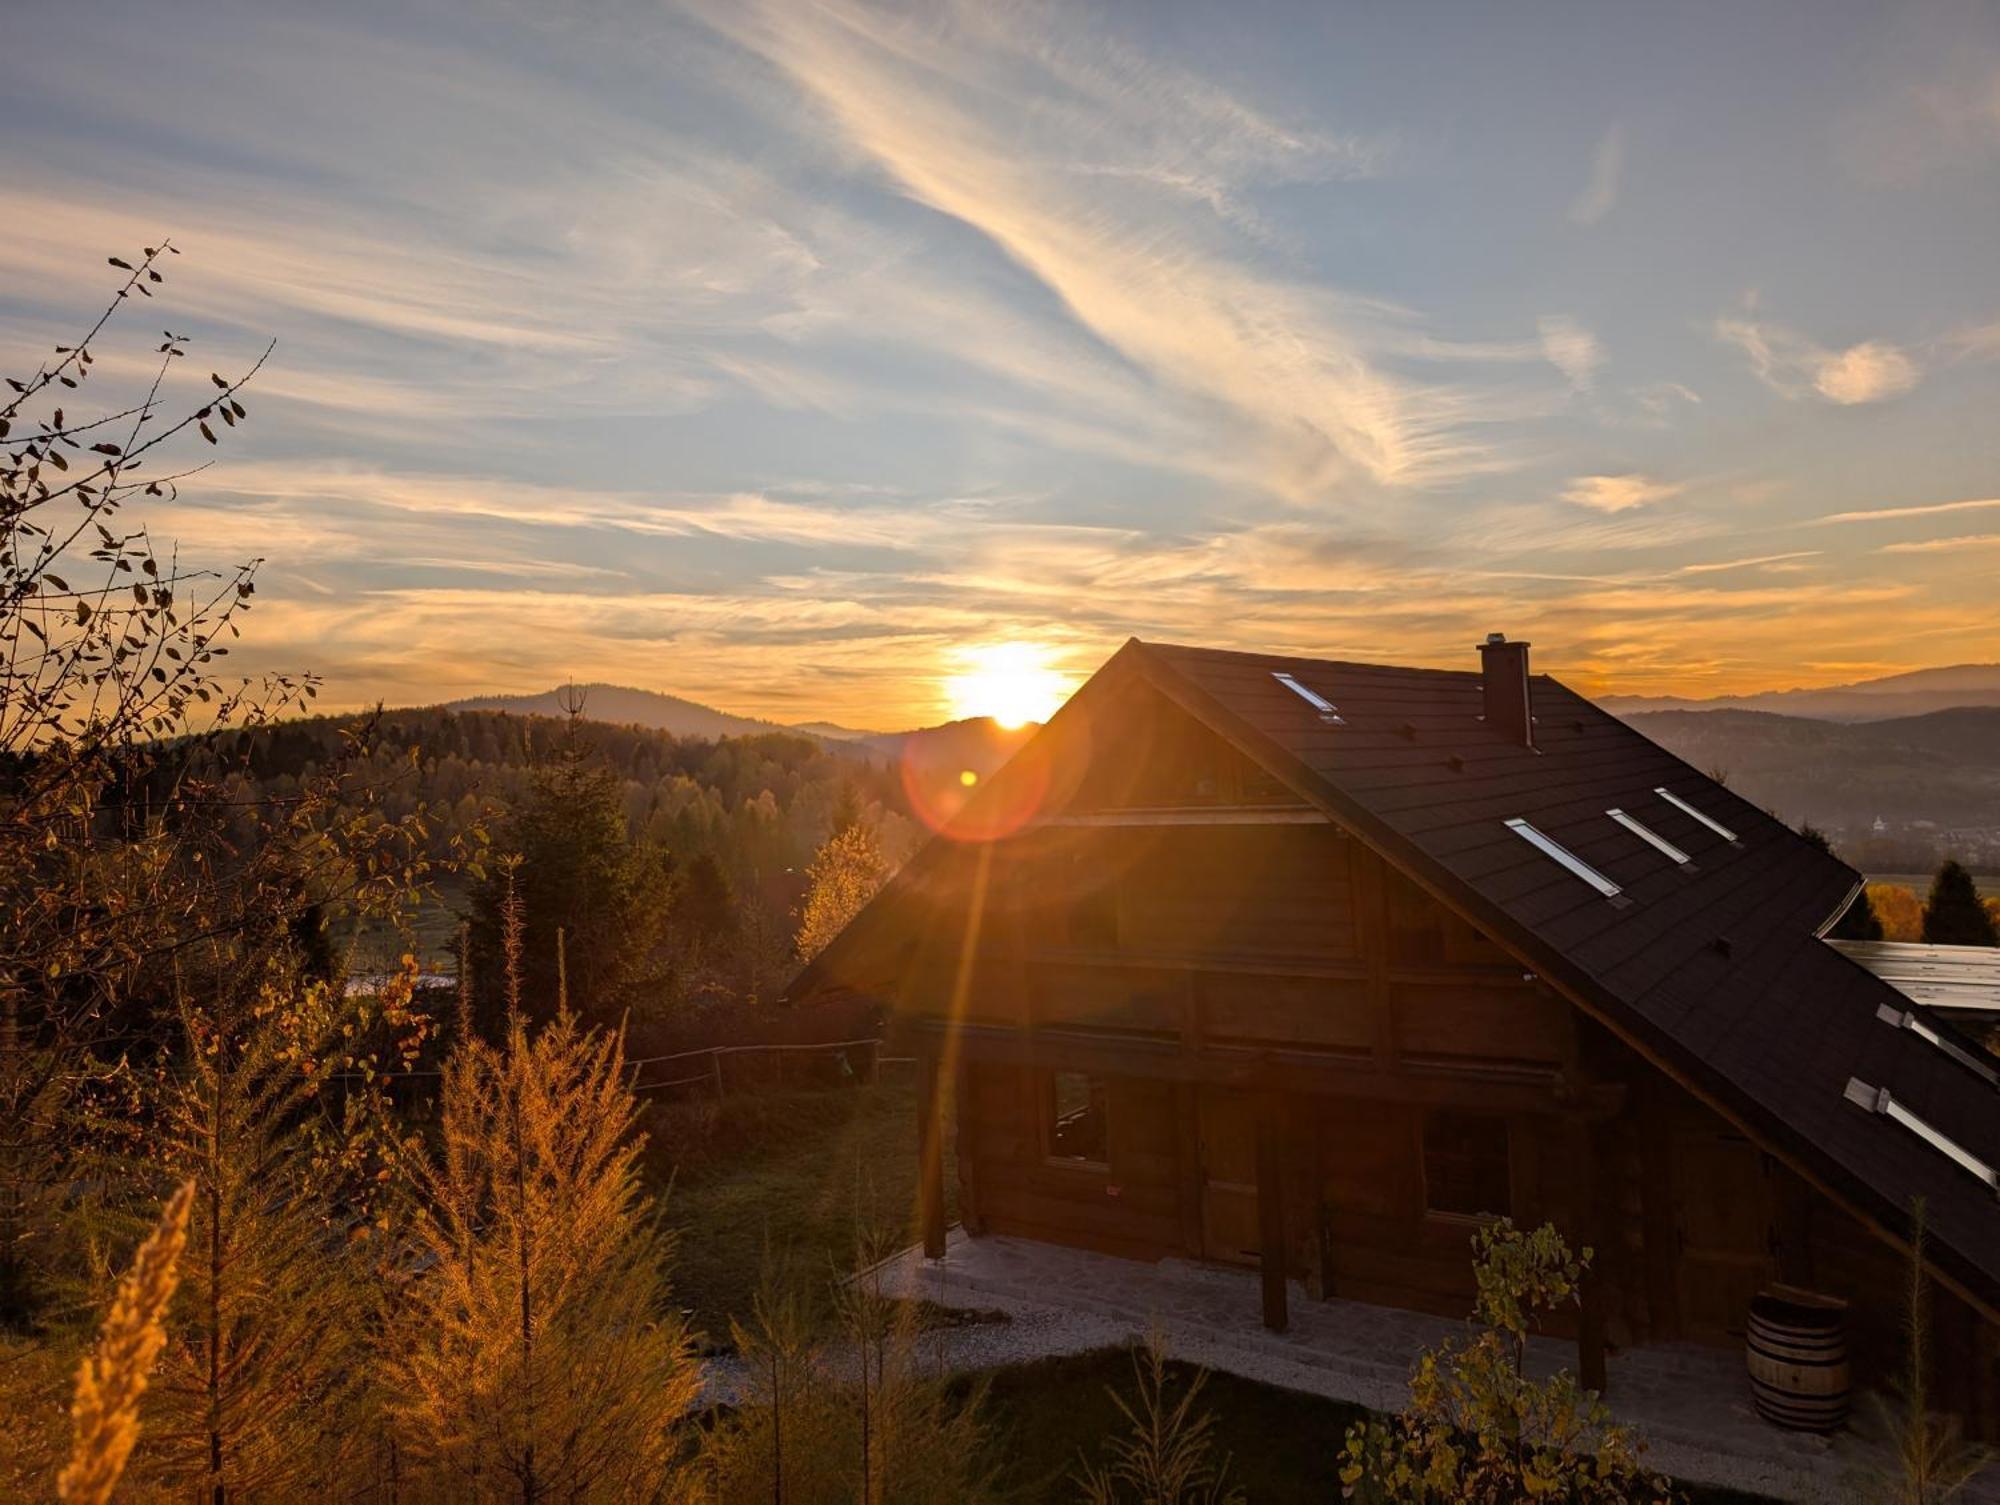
[(1464, 1219), (1045, 1123)]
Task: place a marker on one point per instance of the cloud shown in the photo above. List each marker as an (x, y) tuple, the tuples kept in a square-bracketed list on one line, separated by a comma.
[(1067, 152), (1943, 545), (1607, 167), (1792, 365), (1760, 561), (1928, 509), (1572, 350), (1618, 493), (1867, 372)]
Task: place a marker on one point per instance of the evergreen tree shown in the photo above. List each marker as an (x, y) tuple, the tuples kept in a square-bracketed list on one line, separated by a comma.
[(567, 857), (1953, 914)]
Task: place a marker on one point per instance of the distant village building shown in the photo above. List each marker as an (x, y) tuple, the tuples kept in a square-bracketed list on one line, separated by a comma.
[(1313, 966)]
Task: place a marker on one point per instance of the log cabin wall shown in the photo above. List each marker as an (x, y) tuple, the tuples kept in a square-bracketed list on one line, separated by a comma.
[(1194, 948)]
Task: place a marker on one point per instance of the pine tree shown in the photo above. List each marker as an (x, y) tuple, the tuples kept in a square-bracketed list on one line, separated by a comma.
[(1953, 914)]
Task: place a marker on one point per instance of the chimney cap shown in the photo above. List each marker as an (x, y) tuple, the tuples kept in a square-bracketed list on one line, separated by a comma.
[(1500, 640)]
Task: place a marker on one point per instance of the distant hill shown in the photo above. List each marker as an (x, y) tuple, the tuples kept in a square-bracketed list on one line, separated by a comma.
[(1933, 781), (620, 705), (1896, 696), (977, 743)]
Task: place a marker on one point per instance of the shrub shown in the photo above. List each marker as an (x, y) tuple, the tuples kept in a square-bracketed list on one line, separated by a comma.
[(1477, 1428)]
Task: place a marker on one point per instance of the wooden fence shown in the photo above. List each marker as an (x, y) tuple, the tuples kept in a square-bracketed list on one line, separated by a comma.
[(720, 1070)]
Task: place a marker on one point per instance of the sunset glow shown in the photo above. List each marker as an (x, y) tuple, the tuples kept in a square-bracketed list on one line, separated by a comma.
[(768, 353), (1011, 682)]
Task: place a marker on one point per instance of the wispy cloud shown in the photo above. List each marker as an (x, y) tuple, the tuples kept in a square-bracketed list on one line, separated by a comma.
[(1572, 350), (1925, 509), (1057, 145), (1793, 366), (1944, 545), (1607, 168), (1755, 562)]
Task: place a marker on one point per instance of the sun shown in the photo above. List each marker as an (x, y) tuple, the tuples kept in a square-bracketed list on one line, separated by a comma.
[(1011, 682)]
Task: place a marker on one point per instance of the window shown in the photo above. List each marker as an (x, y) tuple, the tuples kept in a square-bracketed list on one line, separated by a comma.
[(1565, 856), (1077, 1122), (1651, 837), (1686, 809), (1328, 711), (1466, 1166)]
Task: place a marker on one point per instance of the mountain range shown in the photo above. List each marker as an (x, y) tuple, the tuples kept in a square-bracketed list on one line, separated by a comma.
[(1911, 694)]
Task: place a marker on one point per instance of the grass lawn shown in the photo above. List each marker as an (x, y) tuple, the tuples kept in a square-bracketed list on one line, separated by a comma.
[(1283, 1447), (797, 1177)]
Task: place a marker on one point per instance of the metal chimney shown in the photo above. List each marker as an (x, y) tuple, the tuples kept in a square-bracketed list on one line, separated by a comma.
[(1503, 672)]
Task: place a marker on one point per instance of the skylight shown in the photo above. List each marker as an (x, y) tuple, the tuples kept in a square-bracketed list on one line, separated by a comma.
[(1878, 1100), (1686, 809), (1650, 837), (1328, 711), (1907, 1019), (1565, 856)]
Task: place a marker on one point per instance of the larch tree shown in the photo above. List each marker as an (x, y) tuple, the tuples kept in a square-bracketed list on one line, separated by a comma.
[(535, 1354), (262, 1386)]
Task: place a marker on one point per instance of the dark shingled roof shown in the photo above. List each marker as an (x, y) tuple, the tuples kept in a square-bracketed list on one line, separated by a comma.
[(1717, 970)]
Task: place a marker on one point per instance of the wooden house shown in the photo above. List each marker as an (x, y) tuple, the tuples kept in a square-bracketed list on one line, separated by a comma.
[(1311, 966)]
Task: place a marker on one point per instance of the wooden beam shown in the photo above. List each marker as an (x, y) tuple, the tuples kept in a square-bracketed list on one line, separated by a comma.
[(1590, 1227), (1161, 1057), (1271, 1210), (930, 1157), (1212, 815)]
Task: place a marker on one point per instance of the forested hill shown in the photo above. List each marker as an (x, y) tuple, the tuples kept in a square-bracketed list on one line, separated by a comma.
[(759, 805), (622, 706), (1932, 781)]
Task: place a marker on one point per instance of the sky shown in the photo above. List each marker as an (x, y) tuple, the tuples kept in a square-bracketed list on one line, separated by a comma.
[(810, 359)]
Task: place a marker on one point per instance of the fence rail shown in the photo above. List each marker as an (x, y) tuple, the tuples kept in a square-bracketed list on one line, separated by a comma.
[(855, 1060)]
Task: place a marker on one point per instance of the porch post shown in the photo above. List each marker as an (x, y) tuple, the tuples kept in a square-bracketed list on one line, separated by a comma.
[(1271, 1210), (930, 1156), (1590, 1320)]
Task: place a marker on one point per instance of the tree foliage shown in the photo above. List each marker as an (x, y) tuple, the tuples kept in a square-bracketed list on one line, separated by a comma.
[(535, 1354), (851, 1417), (1953, 913), (845, 874), (577, 873), (1897, 910), (1477, 1427)]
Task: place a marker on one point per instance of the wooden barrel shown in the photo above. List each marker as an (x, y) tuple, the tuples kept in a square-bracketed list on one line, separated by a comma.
[(1798, 1358)]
